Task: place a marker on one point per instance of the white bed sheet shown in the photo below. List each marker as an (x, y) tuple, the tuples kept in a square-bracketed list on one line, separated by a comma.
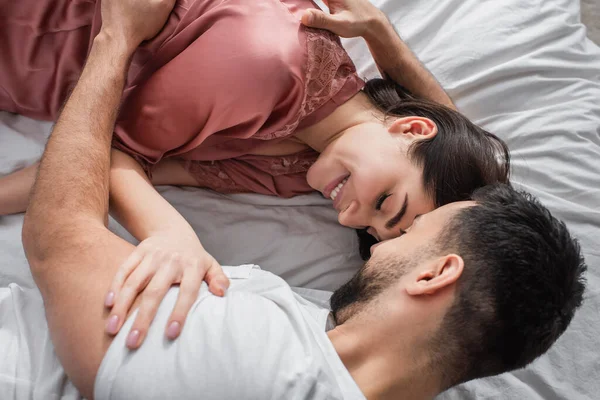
[(525, 70), (521, 68)]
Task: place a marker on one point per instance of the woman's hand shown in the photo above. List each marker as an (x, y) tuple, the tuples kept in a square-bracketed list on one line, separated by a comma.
[(157, 263), (348, 18)]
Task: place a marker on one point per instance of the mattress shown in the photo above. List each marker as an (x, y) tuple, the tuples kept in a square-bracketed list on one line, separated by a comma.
[(522, 69)]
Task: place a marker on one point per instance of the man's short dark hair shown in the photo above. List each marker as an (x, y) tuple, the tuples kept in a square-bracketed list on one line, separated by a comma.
[(521, 284)]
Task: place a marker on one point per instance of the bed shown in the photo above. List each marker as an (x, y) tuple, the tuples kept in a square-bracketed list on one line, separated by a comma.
[(523, 69)]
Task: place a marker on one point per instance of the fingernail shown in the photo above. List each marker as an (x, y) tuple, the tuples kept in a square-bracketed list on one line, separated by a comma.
[(112, 324), (173, 330), (223, 288), (110, 298), (310, 17), (133, 338)]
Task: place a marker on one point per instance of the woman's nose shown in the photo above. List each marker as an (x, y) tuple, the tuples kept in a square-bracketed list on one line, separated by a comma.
[(352, 217)]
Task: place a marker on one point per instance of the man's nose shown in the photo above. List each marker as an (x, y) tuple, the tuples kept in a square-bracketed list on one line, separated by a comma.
[(380, 231), (376, 245)]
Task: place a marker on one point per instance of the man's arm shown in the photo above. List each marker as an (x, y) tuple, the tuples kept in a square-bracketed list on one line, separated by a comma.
[(72, 181), (396, 61), (64, 225), (71, 253), (354, 18)]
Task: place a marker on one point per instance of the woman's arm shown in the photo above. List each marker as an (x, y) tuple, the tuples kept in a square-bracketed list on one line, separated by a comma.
[(137, 205), (169, 253), (353, 18)]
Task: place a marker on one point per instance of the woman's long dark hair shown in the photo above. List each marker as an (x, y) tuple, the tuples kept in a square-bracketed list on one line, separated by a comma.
[(459, 159)]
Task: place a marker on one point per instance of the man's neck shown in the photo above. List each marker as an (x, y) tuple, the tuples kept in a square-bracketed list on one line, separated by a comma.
[(356, 111), (384, 365)]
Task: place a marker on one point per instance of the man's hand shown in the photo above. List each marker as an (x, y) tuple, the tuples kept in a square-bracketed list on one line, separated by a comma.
[(348, 18), (354, 18), (134, 21)]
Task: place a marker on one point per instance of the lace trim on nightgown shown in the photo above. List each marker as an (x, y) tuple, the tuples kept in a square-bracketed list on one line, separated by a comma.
[(328, 67), (211, 175), (214, 174)]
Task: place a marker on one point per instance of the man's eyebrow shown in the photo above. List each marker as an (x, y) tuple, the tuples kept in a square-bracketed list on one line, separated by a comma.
[(396, 219)]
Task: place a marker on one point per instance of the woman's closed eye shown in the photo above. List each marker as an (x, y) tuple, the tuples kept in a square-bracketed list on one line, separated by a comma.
[(381, 200)]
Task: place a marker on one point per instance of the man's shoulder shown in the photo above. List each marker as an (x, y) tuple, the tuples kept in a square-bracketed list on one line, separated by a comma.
[(257, 339)]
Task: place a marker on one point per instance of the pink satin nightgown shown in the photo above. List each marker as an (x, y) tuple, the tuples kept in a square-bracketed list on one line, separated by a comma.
[(221, 78)]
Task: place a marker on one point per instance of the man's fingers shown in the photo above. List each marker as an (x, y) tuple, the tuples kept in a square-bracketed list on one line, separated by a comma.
[(318, 19), (134, 284), (122, 273), (152, 297), (188, 293), (342, 23)]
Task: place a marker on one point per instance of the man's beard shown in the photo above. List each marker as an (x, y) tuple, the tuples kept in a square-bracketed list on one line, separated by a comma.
[(373, 278)]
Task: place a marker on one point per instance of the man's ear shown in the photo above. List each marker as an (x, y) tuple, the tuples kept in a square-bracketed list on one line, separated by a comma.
[(439, 274), (414, 127)]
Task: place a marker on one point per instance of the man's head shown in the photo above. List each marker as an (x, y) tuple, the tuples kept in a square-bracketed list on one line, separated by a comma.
[(492, 283)]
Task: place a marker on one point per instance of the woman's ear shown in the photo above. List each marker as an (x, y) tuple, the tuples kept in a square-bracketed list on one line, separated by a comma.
[(437, 275), (414, 127)]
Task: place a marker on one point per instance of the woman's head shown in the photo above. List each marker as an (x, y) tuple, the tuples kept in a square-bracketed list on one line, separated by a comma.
[(419, 156)]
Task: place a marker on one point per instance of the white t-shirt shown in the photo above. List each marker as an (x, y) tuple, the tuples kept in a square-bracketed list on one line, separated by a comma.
[(261, 341), (29, 368)]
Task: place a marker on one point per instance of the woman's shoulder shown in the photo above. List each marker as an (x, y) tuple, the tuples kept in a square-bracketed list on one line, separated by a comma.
[(330, 76), (327, 62)]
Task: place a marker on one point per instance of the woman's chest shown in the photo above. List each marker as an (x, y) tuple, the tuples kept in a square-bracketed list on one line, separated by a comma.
[(287, 146)]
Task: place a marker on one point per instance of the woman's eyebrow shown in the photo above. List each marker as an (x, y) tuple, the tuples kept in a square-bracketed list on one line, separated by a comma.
[(398, 217)]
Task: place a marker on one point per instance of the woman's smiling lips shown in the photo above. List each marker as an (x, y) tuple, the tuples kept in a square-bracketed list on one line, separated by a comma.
[(337, 194), (332, 185)]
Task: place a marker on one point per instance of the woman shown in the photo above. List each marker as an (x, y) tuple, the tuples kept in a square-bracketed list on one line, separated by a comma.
[(238, 96)]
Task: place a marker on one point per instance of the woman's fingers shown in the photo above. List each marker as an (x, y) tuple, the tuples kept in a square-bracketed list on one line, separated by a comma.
[(188, 293), (134, 284), (123, 272), (153, 273), (168, 274), (216, 279)]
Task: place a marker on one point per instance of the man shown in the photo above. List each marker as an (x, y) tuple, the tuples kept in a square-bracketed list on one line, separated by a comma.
[(472, 289)]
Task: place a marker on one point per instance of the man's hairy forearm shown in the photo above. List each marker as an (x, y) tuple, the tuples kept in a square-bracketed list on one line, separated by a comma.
[(72, 180), (397, 61)]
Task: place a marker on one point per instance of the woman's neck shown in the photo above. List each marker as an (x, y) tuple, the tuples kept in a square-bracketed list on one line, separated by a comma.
[(358, 110)]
